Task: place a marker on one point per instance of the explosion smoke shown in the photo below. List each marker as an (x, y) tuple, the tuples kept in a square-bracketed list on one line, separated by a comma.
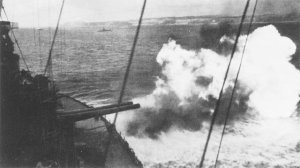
[(186, 93), (175, 119)]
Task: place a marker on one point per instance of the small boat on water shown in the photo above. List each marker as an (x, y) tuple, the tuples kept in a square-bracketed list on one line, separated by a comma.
[(104, 30)]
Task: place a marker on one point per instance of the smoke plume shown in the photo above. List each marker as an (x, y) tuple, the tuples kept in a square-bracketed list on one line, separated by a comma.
[(187, 90)]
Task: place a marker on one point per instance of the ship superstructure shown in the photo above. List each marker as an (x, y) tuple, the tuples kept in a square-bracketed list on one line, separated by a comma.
[(41, 127)]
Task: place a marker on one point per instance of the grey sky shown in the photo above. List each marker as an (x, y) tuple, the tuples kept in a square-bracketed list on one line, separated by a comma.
[(38, 13)]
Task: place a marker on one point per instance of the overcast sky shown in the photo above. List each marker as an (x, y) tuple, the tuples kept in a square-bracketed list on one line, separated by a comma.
[(39, 13)]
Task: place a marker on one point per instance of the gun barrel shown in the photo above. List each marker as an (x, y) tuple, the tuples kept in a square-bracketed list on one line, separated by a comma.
[(77, 115)]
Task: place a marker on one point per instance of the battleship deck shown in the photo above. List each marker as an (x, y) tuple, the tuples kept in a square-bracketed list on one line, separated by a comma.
[(91, 137)]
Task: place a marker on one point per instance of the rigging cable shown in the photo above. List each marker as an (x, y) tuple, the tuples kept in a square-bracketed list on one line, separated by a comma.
[(235, 84), (222, 88), (49, 22), (125, 77), (1, 6), (40, 50), (49, 61), (39, 37), (16, 41), (130, 60)]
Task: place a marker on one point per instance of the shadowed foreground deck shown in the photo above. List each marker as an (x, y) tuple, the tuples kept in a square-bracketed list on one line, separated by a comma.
[(91, 139)]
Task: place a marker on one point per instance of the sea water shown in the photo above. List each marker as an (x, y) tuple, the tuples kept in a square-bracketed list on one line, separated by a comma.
[(89, 66)]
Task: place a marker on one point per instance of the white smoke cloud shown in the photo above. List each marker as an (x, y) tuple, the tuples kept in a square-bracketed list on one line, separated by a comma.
[(266, 72), (182, 69), (269, 74), (267, 77)]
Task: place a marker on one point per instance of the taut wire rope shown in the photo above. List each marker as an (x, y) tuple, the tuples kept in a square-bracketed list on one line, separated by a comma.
[(16, 41), (235, 84), (222, 88), (125, 77), (49, 61)]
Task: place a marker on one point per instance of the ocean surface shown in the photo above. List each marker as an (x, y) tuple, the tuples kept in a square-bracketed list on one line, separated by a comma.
[(89, 66)]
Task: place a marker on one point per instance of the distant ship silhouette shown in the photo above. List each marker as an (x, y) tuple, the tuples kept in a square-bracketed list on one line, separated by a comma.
[(104, 30)]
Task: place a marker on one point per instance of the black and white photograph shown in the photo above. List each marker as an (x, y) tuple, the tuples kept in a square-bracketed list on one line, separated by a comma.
[(150, 84)]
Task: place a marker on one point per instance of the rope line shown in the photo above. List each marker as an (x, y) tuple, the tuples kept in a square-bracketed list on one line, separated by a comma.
[(130, 59), (49, 61), (16, 41), (222, 88), (235, 84), (111, 126), (40, 50), (1, 6), (39, 36)]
